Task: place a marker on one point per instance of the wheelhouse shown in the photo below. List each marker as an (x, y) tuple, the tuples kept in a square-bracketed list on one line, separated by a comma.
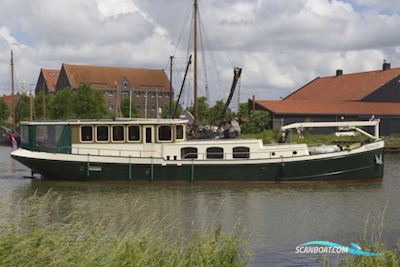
[(60, 137)]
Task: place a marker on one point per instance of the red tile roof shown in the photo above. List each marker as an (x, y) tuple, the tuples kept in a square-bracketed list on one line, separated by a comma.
[(109, 76), (8, 99), (51, 77), (347, 87), (329, 107)]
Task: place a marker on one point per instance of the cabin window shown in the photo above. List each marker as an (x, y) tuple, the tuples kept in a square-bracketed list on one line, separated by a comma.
[(133, 133), (149, 135), (179, 132), (241, 152), (118, 133), (48, 136), (189, 153), (215, 153), (164, 133), (102, 133), (86, 134), (24, 134)]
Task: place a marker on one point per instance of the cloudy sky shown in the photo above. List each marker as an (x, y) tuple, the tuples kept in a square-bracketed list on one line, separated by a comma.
[(280, 44)]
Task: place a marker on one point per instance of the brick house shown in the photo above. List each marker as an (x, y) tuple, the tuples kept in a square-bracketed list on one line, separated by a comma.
[(355, 96), (149, 87), (47, 81)]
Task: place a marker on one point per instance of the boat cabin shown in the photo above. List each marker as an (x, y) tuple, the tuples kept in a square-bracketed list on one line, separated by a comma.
[(67, 136)]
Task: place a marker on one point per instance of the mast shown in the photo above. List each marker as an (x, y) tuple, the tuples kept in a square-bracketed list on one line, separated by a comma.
[(171, 58), (13, 90), (196, 106)]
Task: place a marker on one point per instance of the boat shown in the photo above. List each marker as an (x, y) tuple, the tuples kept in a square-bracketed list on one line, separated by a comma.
[(159, 150)]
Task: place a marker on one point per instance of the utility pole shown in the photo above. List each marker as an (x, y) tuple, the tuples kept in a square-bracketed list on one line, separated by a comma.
[(13, 91), (30, 102), (170, 86), (130, 103), (44, 103)]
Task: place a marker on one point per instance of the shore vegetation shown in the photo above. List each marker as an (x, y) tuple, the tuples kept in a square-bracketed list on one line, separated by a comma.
[(40, 231)]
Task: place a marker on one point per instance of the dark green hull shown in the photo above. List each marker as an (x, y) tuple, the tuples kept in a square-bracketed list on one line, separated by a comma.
[(361, 166)]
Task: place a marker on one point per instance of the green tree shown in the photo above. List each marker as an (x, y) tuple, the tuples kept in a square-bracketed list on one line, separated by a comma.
[(61, 106), (4, 111), (243, 111), (203, 110), (23, 108), (215, 112), (89, 103), (125, 108), (165, 110), (258, 121), (38, 105)]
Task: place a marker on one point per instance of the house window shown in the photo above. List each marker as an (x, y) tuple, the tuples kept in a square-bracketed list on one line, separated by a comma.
[(164, 133), (215, 153), (86, 134), (118, 133), (189, 153), (241, 152), (102, 133), (133, 133)]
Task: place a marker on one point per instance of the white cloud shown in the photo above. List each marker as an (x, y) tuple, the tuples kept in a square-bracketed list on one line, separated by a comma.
[(280, 44)]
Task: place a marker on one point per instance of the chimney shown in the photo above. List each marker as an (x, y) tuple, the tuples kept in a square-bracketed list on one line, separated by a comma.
[(386, 65), (339, 72)]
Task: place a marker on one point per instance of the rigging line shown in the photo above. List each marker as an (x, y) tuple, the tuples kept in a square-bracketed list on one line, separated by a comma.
[(204, 65), (227, 54), (189, 47), (189, 14), (213, 60)]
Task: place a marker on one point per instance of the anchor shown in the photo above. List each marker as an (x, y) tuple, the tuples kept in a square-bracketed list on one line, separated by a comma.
[(378, 159)]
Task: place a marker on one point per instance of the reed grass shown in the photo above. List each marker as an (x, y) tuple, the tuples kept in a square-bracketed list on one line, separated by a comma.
[(40, 231), (372, 241)]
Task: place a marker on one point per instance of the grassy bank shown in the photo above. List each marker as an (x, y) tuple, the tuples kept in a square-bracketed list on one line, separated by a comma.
[(392, 140), (36, 231), (391, 257)]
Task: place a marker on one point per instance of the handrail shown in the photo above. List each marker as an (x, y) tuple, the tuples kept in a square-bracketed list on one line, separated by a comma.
[(141, 152), (341, 124)]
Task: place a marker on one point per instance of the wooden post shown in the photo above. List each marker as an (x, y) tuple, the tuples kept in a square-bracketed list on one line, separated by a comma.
[(13, 112)]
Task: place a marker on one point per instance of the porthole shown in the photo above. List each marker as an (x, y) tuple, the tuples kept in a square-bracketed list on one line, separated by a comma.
[(189, 153), (241, 152), (215, 153)]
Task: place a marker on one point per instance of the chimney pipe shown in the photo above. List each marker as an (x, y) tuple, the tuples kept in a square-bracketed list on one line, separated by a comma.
[(386, 65), (339, 72), (254, 103)]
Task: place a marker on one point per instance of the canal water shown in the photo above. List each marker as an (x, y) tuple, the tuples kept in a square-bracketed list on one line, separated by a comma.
[(274, 218)]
